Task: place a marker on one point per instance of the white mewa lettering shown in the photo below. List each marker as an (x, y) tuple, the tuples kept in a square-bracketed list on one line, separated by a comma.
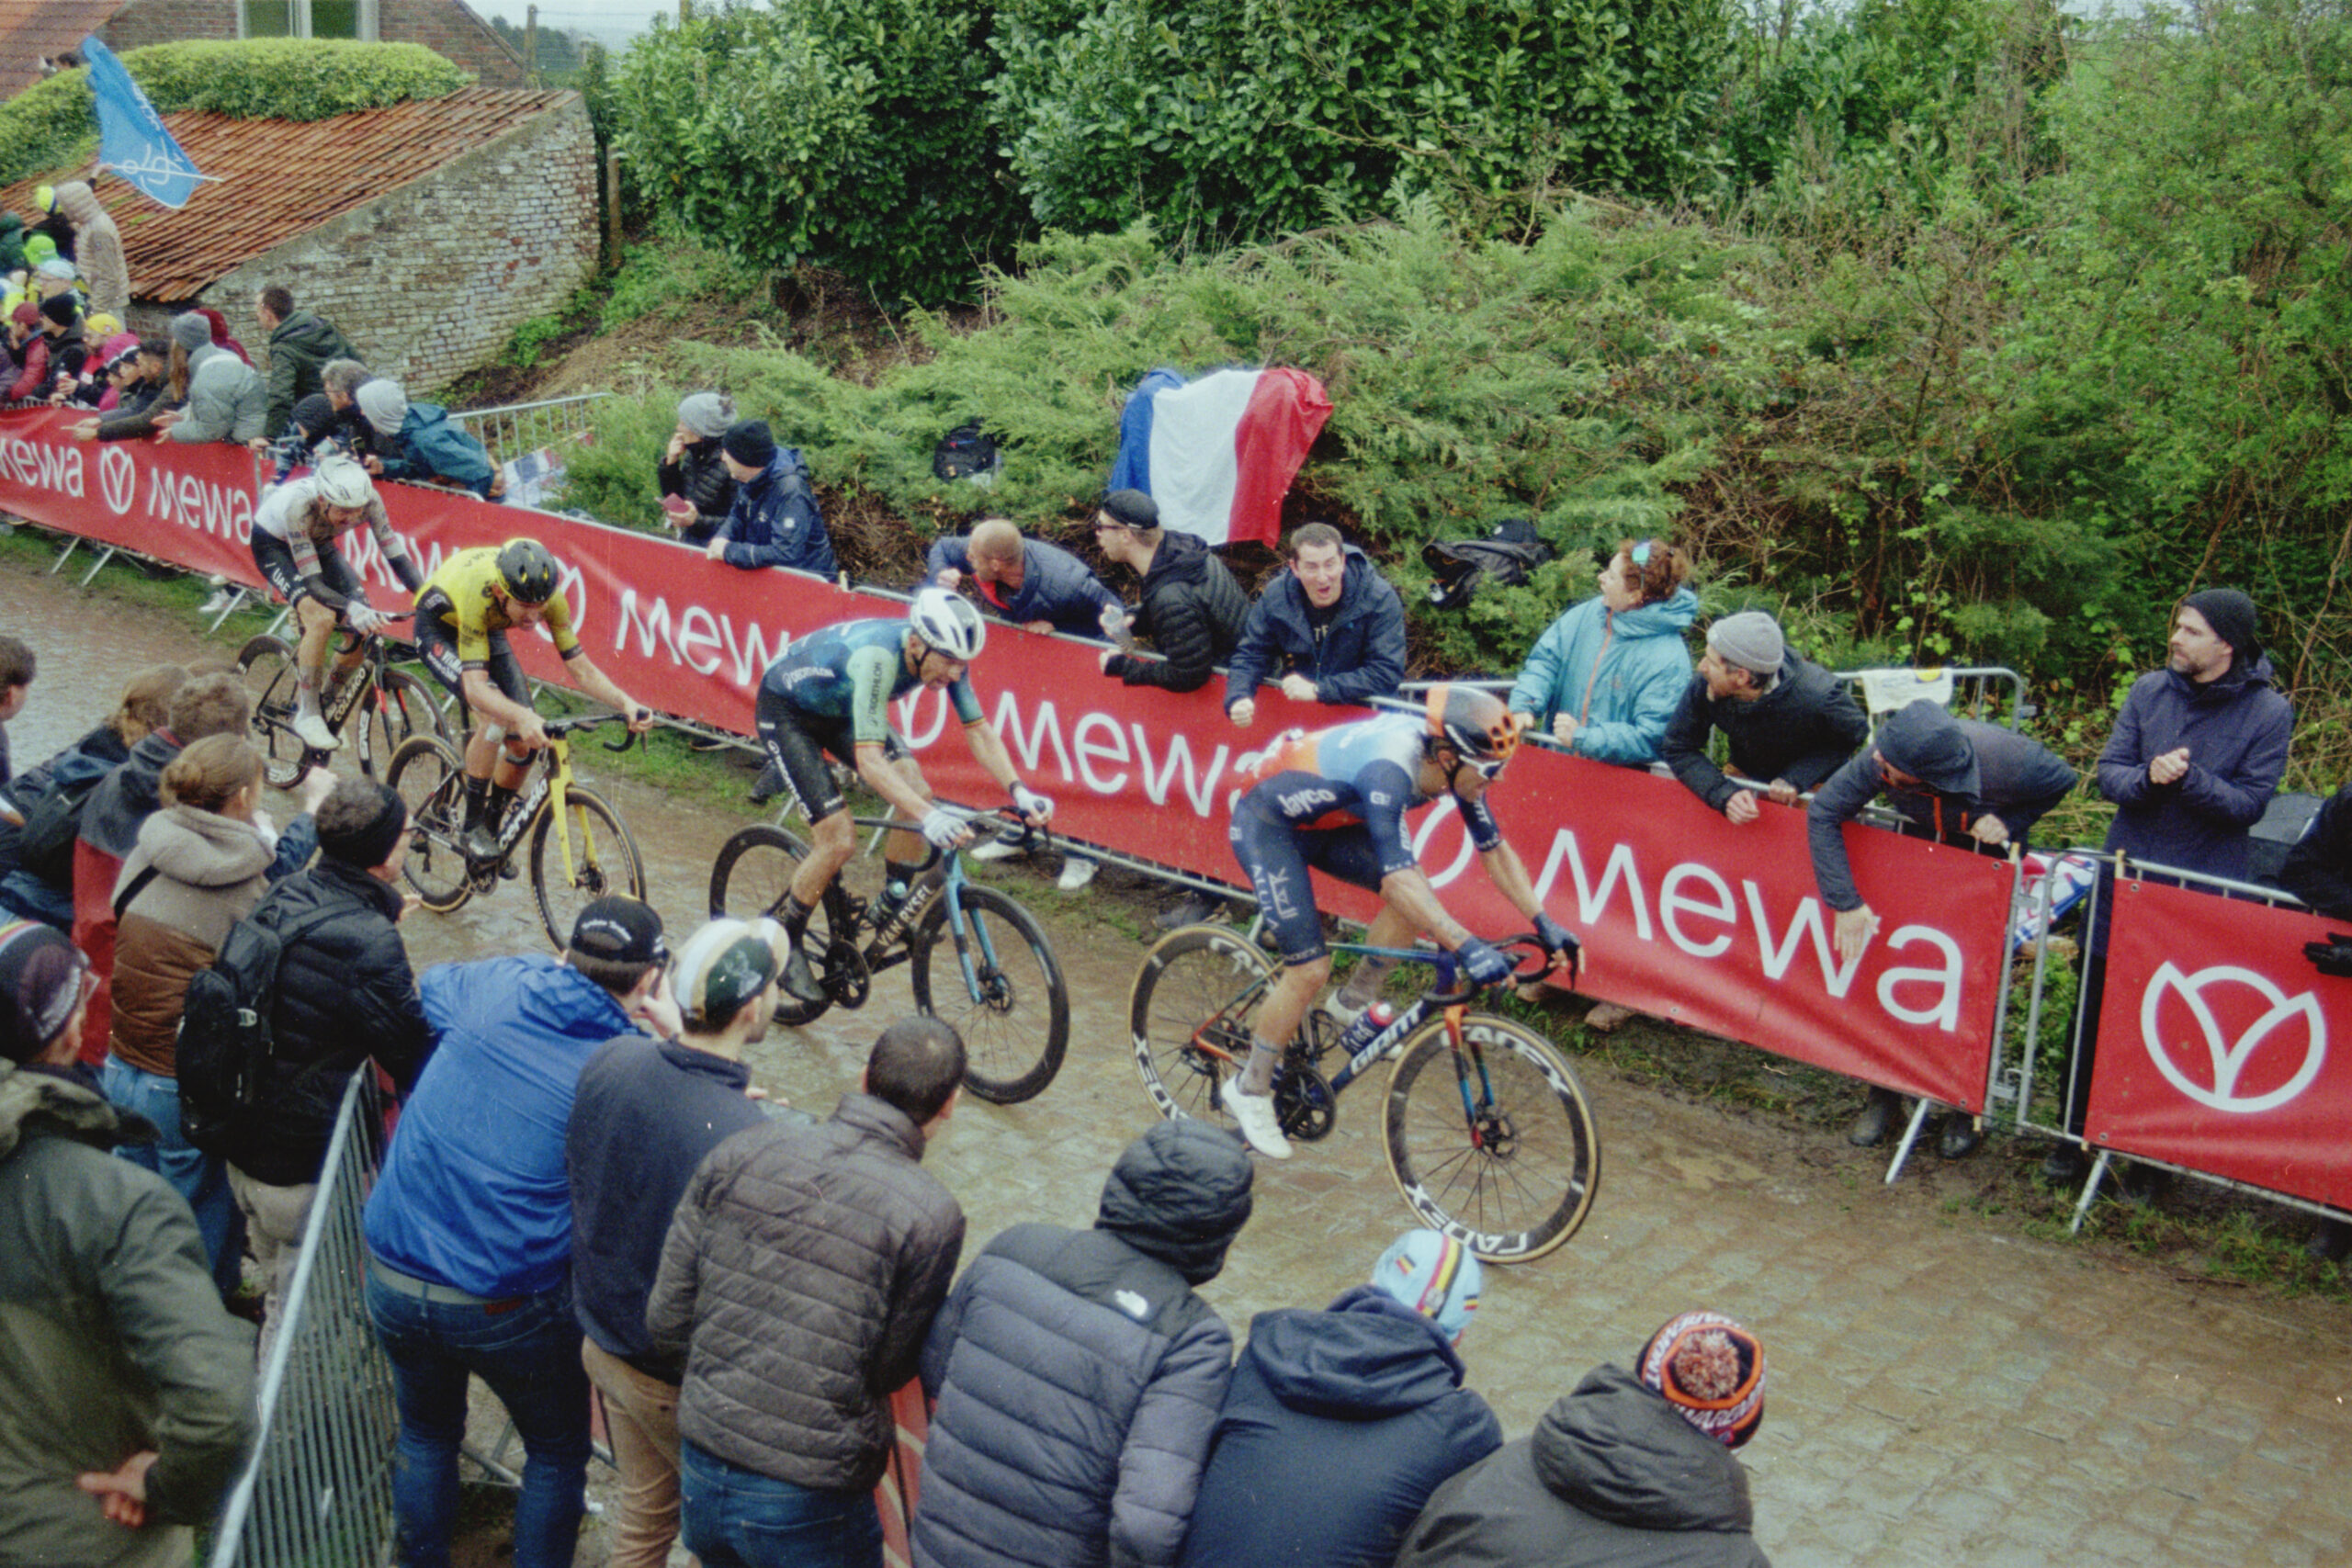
[(699, 640)]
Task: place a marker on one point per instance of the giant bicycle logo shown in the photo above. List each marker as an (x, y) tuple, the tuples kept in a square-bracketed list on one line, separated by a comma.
[(2243, 1075)]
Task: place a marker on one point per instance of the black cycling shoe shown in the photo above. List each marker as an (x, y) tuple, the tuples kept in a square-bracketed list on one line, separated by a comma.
[(479, 843), (1870, 1129), (768, 786), (800, 982)]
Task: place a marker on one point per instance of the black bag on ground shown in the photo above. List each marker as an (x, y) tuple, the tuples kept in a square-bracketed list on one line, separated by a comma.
[(225, 1037), (1503, 557), (966, 453)]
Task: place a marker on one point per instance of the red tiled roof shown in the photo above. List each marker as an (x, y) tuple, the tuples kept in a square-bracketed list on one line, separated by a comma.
[(274, 179), (31, 30)]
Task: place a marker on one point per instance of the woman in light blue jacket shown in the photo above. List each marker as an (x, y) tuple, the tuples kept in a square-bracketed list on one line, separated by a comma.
[(1604, 679)]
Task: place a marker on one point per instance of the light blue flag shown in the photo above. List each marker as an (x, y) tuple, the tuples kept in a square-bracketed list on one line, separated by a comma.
[(132, 138)]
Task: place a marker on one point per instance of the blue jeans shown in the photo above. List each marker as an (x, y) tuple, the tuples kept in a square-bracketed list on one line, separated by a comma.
[(528, 1352), (194, 1175), (735, 1517)]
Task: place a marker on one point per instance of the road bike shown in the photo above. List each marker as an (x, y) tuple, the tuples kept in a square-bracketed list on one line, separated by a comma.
[(1489, 1134), (396, 707), (580, 847), (975, 958)]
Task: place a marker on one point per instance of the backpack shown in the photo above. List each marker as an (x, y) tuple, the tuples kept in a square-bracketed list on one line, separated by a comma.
[(966, 453), (225, 1036), (53, 821), (1504, 558)]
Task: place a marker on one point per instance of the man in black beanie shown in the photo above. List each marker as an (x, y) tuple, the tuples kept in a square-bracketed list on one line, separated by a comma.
[(345, 994), (2191, 765), (774, 520)]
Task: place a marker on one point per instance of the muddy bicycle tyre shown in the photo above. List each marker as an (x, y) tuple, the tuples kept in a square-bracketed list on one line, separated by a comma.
[(1190, 1014), (604, 860), (1496, 1145), (265, 665), (1013, 1012), (431, 782)]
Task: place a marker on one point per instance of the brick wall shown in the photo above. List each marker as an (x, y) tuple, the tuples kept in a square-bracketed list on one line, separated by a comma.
[(445, 26), (430, 280)]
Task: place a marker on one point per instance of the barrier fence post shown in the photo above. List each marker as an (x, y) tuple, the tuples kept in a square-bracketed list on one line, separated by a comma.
[(319, 1489)]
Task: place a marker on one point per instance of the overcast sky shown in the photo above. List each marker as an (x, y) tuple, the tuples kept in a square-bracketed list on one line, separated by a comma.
[(613, 21)]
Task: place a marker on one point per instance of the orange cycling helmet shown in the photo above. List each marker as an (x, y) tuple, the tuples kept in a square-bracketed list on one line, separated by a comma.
[(1474, 722)]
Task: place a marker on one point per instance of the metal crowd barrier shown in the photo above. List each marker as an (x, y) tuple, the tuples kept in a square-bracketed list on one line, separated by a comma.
[(319, 1489), (513, 429)]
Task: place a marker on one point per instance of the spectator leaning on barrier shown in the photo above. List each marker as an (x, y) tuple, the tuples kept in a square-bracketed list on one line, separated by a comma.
[(774, 520), (646, 1114), (1191, 607), (126, 1388), (802, 1271), (1329, 630), (1078, 1375), (1789, 724), (469, 1227), (97, 248), (301, 344), (1037, 586), (696, 490), (1959, 781), (1633, 1470), (346, 997), (339, 383), (419, 442), (225, 398), (138, 375), (1603, 679), (46, 893), (1340, 1423)]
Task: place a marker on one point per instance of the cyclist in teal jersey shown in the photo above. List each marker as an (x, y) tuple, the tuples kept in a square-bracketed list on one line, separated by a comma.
[(830, 693), (1335, 801)]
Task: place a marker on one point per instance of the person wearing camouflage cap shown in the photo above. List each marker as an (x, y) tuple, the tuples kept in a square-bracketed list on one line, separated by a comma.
[(645, 1114)]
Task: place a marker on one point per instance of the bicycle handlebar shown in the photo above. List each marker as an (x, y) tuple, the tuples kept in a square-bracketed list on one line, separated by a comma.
[(1526, 940), (567, 725)]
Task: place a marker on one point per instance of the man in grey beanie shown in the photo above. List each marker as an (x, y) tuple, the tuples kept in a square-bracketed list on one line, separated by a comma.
[(1790, 723)]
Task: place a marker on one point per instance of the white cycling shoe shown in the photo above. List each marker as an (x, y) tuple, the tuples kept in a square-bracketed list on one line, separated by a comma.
[(313, 732), (1256, 1114)]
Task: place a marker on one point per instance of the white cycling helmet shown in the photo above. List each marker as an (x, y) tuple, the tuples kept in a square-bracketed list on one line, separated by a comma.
[(341, 482), (947, 623)]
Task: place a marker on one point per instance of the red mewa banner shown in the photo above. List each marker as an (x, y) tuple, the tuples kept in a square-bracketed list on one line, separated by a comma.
[(1683, 915), (2214, 1042)]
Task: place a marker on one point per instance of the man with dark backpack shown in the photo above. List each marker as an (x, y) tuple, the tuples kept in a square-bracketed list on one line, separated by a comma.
[(318, 963), (44, 890)]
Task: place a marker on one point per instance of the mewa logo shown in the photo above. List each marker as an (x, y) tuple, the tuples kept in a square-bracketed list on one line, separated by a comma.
[(2254, 1071)]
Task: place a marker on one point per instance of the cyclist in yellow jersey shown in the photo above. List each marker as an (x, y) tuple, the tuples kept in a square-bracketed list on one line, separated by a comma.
[(462, 618)]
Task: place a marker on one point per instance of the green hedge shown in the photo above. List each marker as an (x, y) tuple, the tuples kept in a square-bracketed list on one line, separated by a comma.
[(49, 126)]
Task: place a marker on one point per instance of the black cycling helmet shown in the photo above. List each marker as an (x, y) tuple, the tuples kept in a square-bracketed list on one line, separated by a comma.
[(529, 571), (1474, 722)]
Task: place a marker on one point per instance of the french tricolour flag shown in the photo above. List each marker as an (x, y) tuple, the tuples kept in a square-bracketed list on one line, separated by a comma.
[(1220, 453)]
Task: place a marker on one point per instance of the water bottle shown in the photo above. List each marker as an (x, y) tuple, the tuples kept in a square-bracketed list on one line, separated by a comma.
[(1368, 1025)]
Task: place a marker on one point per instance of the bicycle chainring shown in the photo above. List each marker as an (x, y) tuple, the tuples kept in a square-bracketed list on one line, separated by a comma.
[(847, 975), (1305, 1106)]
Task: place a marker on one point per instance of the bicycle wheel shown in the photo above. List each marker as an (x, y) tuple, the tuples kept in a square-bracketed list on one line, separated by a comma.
[(1190, 1014), (1493, 1145), (603, 860), (750, 878), (1000, 986), (400, 711), (266, 664), (431, 782)]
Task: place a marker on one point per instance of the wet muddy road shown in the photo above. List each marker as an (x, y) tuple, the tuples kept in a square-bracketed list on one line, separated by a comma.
[(1940, 1389)]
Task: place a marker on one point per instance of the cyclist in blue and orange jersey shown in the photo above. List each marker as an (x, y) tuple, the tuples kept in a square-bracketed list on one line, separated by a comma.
[(1336, 801), (831, 692)]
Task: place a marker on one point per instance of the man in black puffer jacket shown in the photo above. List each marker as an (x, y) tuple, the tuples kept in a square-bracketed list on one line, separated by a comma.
[(345, 995), (1078, 1375), (1193, 609), (1790, 722), (696, 490), (1633, 1470), (1329, 630)]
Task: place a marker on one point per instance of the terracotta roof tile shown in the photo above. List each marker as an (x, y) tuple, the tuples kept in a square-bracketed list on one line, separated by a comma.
[(276, 179), (31, 30)]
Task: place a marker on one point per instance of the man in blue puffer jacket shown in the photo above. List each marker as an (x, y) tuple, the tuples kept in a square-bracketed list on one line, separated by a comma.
[(1078, 1375), (775, 521), (1340, 1424), (1604, 679)]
